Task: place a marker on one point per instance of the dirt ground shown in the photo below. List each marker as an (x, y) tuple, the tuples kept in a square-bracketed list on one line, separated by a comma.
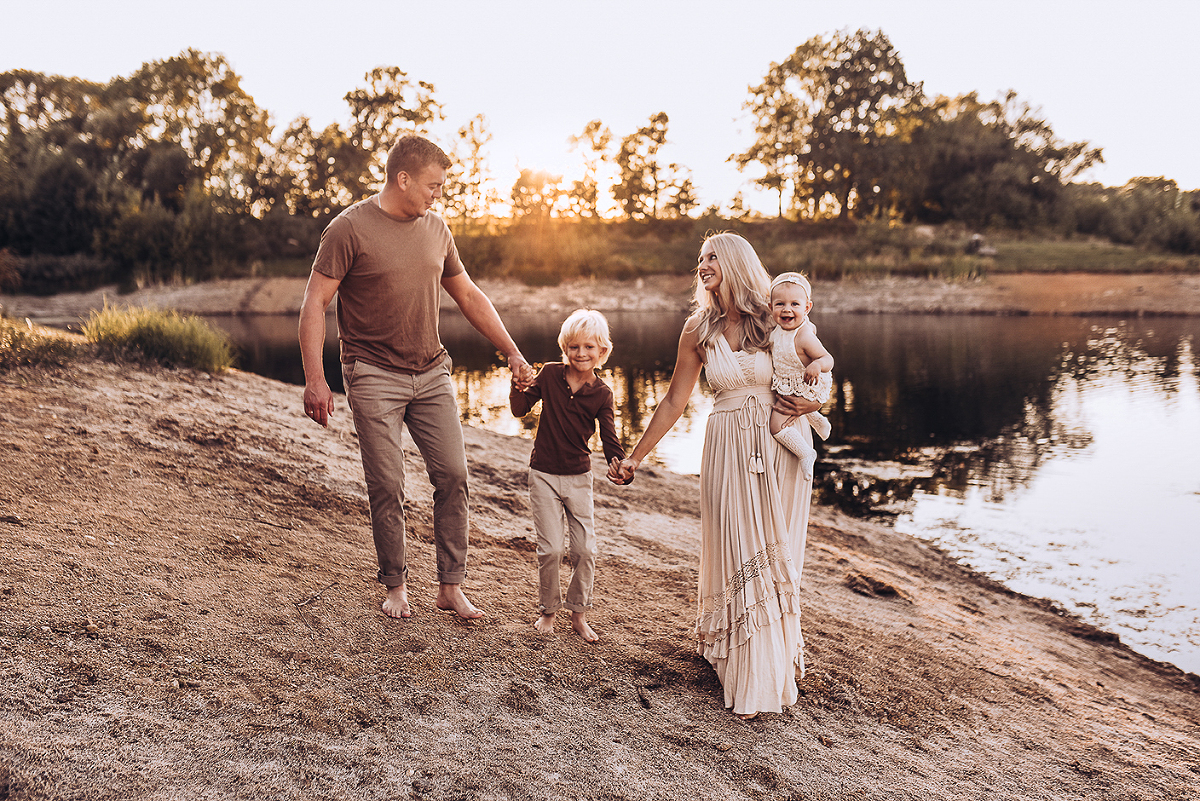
[(188, 611)]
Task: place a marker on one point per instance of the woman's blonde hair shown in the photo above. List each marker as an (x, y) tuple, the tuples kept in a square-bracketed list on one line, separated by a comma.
[(584, 323), (744, 287)]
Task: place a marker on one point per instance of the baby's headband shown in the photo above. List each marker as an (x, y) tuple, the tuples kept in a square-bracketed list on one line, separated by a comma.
[(790, 278)]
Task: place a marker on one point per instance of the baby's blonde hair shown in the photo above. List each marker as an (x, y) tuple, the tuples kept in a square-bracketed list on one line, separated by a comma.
[(792, 278), (586, 323)]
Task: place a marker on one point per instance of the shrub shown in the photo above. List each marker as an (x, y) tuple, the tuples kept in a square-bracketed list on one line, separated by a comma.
[(23, 345), (42, 274), (161, 336)]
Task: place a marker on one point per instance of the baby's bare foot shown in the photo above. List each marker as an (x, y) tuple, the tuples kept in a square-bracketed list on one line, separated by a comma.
[(545, 623), (396, 603), (579, 623)]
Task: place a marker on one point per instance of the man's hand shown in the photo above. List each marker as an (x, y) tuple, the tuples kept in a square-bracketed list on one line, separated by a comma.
[(523, 373), (318, 403)]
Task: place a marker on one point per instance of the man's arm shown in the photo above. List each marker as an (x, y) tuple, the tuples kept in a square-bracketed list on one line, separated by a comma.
[(318, 397), (481, 314)]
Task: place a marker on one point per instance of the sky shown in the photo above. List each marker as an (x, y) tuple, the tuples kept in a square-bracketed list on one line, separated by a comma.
[(1122, 76)]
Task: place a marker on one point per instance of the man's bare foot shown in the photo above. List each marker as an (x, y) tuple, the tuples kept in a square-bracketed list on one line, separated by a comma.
[(450, 598), (545, 623), (579, 623), (396, 603)]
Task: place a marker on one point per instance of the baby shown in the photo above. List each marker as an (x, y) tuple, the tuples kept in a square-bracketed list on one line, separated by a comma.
[(801, 365)]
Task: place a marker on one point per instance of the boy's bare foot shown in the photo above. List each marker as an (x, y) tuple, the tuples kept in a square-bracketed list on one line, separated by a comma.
[(450, 598), (396, 603), (579, 623), (545, 623)]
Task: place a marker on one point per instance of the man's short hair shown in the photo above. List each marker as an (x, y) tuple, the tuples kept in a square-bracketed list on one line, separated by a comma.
[(412, 154)]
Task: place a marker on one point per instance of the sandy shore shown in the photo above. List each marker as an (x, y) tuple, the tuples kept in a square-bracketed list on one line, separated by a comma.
[(1016, 293), (188, 610)]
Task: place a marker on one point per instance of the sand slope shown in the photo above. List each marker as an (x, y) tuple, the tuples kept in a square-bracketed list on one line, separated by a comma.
[(187, 610)]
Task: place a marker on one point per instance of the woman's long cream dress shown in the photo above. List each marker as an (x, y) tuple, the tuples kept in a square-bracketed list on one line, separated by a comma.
[(754, 517)]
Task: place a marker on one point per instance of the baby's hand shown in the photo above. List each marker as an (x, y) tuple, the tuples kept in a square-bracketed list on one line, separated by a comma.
[(811, 373)]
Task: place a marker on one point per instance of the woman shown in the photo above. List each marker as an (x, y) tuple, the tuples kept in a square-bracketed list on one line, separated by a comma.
[(753, 498)]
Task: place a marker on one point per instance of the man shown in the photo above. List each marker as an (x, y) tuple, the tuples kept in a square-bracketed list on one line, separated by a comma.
[(385, 258)]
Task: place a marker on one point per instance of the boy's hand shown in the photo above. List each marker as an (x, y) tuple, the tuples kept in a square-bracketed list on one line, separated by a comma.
[(524, 376), (621, 472)]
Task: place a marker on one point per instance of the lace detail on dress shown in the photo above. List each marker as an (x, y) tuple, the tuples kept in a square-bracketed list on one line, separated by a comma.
[(733, 615), (750, 570), (748, 363)]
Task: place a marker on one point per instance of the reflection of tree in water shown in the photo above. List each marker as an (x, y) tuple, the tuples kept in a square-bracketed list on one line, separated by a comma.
[(979, 402)]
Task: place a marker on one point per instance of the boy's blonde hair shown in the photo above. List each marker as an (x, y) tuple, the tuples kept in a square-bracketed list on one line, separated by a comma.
[(792, 278), (586, 323)]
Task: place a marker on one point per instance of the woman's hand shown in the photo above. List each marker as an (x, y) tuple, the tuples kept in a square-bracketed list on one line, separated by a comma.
[(620, 471), (795, 406)]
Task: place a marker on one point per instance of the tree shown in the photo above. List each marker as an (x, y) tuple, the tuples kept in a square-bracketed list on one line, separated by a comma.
[(52, 107), (680, 192), (638, 189), (821, 117), (468, 193), (780, 132), (536, 195), (389, 106), (584, 195), (995, 163), (195, 100)]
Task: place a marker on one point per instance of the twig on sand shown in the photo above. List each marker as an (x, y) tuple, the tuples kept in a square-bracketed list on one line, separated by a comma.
[(312, 598)]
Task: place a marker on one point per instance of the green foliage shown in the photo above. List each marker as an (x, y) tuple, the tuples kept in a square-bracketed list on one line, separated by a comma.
[(535, 195), (1084, 255), (24, 345), (172, 173), (47, 275), (824, 118), (161, 336), (140, 245), (640, 187)]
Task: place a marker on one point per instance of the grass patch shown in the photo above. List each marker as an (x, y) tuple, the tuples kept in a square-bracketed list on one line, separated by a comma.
[(166, 337), (23, 344), (1090, 256)]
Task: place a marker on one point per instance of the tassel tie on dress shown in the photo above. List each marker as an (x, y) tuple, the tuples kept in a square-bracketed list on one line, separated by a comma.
[(754, 411)]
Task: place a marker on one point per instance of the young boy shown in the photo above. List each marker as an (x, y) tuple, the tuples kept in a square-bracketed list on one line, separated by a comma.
[(560, 468)]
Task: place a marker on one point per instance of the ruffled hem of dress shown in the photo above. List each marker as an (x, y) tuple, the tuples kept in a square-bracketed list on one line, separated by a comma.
[(716, 635)]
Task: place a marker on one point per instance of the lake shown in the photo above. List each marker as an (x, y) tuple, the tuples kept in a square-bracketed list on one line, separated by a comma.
[(1055, 454)]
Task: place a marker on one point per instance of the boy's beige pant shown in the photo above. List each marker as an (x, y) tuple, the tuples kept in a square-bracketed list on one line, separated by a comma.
[(383, 403), (553, 499)]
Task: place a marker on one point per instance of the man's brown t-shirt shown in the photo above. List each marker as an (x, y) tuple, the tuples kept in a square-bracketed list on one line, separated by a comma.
[(389, 296)]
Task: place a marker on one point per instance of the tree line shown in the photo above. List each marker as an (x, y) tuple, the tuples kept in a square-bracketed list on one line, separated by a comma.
[(175, 173)]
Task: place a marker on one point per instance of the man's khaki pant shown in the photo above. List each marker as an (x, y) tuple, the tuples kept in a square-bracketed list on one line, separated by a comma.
[(384, 402)]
